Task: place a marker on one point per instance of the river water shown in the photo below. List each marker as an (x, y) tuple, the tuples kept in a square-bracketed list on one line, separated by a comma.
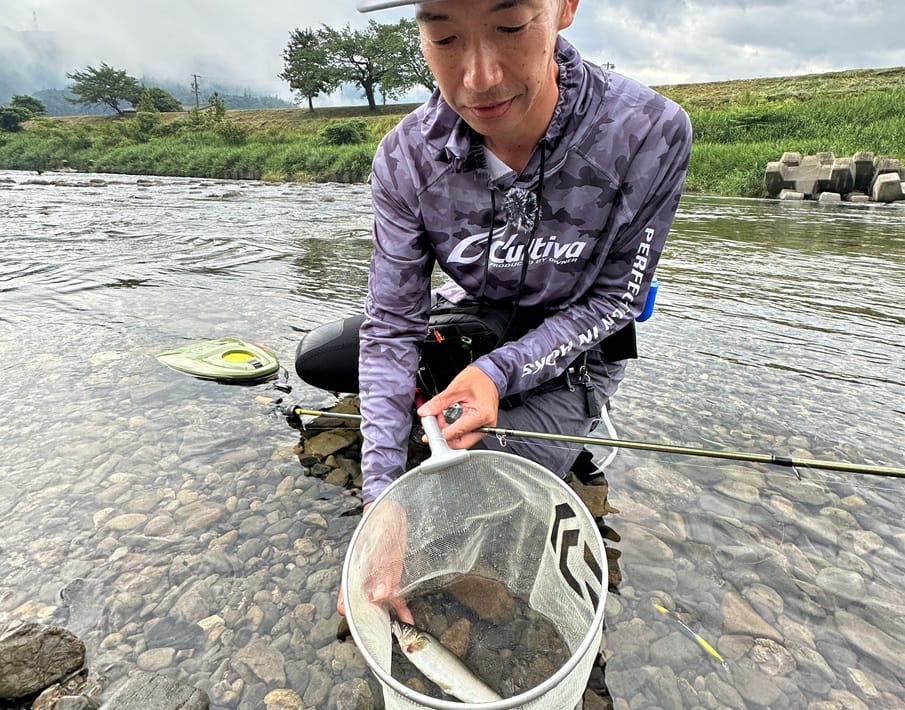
[(136, 502)]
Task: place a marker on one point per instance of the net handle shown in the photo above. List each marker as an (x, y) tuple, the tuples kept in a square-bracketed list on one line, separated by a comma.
[(441, 455)]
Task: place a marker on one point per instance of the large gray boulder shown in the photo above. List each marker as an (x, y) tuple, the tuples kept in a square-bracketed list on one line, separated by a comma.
[(33, 657)]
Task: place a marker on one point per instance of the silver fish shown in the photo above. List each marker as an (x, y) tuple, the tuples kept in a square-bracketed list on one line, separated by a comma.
[(441, 665)]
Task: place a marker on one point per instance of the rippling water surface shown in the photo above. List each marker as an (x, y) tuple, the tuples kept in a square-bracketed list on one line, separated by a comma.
[(155, 501)]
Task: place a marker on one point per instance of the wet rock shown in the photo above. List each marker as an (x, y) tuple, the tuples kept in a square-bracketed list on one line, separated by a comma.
[(283, 699), (156, 659), (175, 632), (772, 658), (487, 598), (319, 686), (870, 639), (83, 685), (75, 702), (756, 687), (456, 637), (740, 618), (844, 584), (354, 694), (33, 657), (329, 442), (147, 691), (860, 542), (263, 660)]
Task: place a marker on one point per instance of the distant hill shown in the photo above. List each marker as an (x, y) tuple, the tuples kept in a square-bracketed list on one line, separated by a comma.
[(29, 62), (36, 64)]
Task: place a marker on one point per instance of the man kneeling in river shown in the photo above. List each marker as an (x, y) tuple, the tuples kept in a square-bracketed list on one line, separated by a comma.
[(544, 187)]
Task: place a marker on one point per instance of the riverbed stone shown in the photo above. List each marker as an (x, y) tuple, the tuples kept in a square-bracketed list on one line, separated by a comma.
[(329, 442), (487, 598), (844, 584), (740, 618), (148, 691), (263, 660), (33, 656), (871, 640)]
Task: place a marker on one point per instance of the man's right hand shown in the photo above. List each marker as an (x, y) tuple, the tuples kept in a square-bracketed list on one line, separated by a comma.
[(479, 398)]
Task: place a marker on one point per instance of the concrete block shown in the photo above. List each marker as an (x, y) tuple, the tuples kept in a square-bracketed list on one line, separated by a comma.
[(791, 195), (887, 188), (827, 198), (824, 173), (807, 176), (886, 165), (864, 170), (790, 159), (857, 197), (842, 176), (825, 157), (773, 179)]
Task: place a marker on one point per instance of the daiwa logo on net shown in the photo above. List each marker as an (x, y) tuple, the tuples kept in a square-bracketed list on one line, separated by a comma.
[(505, 253)]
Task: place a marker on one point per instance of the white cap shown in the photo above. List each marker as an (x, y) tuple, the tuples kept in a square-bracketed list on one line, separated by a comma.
[(369, 5)]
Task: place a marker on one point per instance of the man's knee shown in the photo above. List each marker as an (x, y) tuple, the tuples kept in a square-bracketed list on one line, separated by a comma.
[(327, 357)]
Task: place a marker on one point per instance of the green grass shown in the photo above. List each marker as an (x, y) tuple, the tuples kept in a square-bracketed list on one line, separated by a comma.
[(739, 127)]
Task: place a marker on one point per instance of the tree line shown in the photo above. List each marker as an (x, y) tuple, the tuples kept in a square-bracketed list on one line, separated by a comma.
[(382, 59)]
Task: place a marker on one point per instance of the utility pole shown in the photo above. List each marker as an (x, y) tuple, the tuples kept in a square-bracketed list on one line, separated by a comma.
[(195, 78)]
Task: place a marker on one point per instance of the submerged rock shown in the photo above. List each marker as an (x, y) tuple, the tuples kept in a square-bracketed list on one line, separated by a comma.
[(147, 691), (34, 657)]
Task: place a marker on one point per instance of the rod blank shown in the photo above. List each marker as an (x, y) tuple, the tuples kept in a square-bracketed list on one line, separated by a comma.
[(773, 459)]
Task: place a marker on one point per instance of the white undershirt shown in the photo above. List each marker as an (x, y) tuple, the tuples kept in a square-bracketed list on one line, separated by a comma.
[(497, 167)]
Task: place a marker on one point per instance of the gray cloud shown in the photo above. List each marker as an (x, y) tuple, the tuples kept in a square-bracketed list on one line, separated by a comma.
[(240, 43)]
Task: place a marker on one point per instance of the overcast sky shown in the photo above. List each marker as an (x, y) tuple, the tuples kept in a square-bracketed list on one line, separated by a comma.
[(240, 42)]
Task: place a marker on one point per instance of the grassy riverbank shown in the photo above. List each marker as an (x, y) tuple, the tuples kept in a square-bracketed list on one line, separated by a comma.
[(739, 127)]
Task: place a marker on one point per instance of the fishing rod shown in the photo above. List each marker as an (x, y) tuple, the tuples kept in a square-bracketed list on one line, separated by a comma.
[(773, 459)]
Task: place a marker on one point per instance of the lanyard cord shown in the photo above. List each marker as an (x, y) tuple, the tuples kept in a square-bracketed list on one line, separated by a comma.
[(489, 246), (530, 243)]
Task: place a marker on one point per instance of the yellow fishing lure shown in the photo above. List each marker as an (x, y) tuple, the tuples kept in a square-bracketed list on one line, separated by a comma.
[(700, 640)]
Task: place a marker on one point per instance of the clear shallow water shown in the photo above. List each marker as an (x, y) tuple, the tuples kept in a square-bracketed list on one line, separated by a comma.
[(779, 328)]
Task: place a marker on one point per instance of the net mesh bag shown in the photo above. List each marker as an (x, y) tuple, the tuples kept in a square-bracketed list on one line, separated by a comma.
[(497, 516)]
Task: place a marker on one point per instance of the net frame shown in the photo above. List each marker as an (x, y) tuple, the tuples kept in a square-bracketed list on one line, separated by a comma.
[(457, 532)]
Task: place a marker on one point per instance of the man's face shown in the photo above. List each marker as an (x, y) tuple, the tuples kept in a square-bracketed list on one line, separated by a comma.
[(493, 60)]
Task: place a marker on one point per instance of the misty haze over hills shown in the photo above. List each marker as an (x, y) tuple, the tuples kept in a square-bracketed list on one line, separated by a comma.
[(36, 63)]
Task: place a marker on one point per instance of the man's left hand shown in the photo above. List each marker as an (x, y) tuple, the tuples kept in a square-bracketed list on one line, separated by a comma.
[(480, 402)]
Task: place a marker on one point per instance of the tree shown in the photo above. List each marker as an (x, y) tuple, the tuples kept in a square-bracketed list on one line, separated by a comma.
[(162, 100), (34, 106), (307, 66), (411, 69), (12, 118), (147, 116), (105, 85), (366, 58)]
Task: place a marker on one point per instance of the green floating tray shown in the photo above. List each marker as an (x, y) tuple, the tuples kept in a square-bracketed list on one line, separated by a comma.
[(228, 359)]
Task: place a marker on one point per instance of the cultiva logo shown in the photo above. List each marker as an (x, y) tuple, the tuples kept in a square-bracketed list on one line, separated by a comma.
[(507, 252)]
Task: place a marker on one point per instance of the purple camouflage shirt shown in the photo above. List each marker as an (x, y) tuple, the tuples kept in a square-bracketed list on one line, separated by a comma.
[(615, 155)]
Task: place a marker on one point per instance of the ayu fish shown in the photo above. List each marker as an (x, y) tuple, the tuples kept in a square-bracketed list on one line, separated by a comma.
[(441, 665)]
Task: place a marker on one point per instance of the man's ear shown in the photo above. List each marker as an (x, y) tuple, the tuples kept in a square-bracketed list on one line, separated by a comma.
[(567, 13)]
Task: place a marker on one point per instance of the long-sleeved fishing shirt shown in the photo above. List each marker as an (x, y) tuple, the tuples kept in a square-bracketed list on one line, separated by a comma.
[(614, 158)]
